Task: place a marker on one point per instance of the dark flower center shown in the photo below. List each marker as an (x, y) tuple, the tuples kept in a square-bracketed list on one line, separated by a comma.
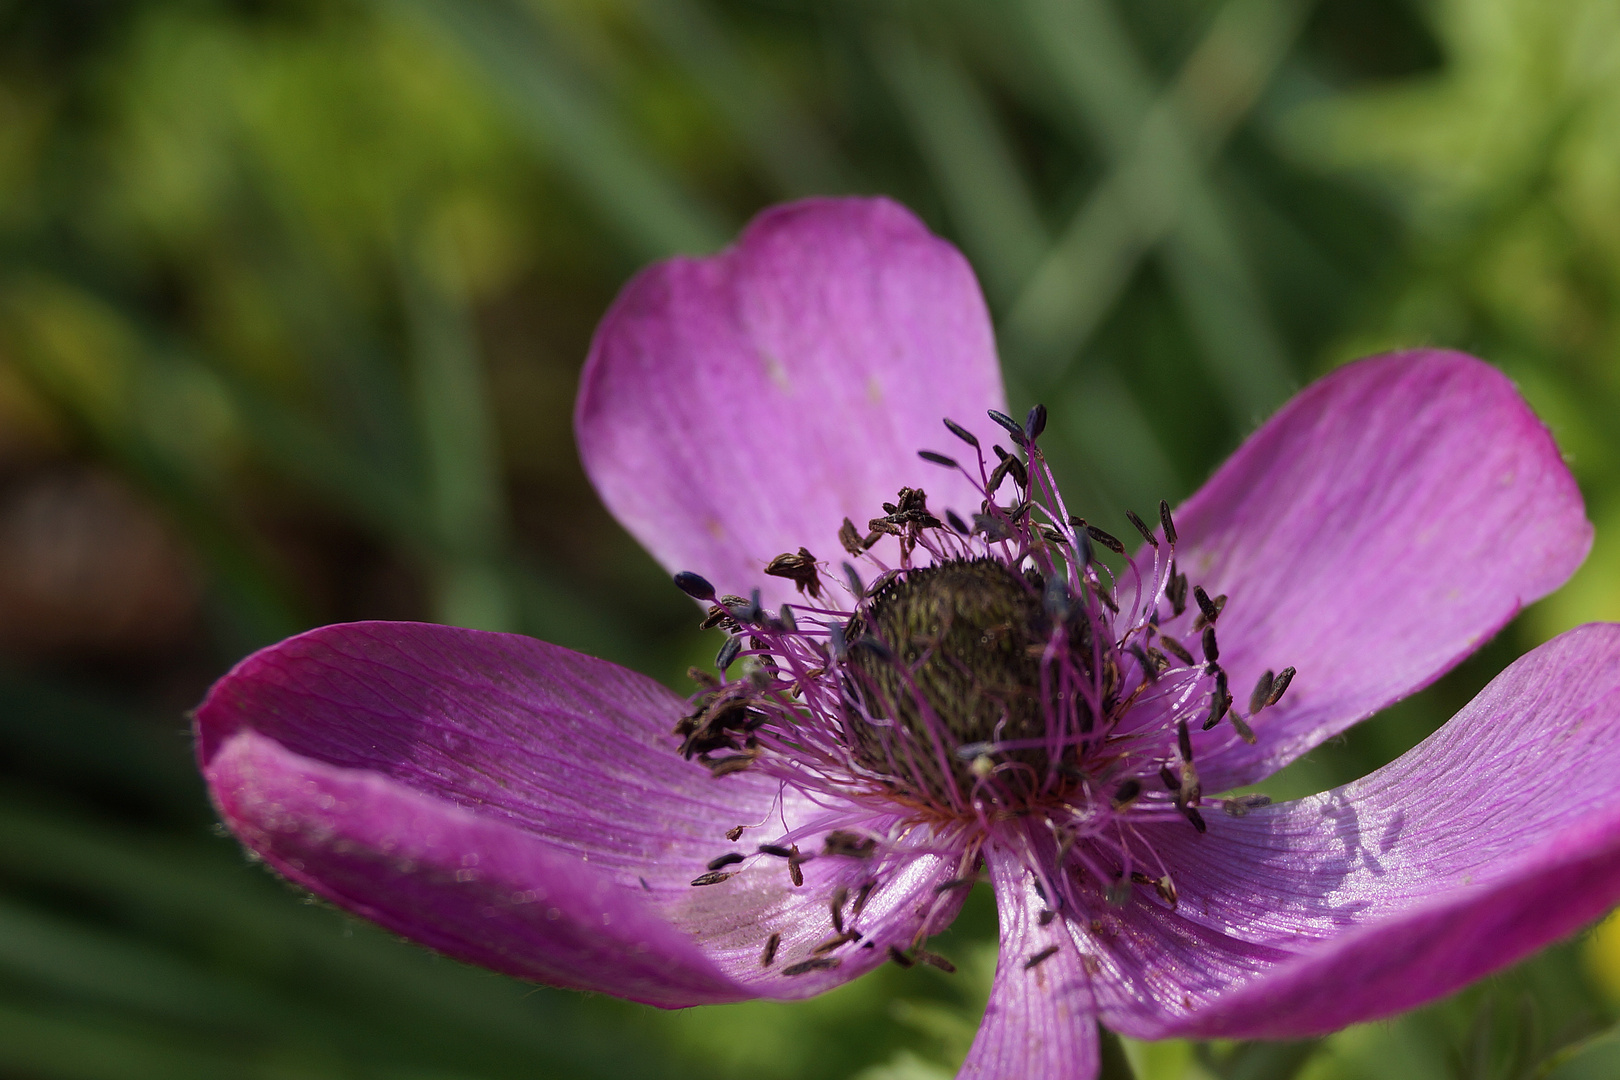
[(952, 654)]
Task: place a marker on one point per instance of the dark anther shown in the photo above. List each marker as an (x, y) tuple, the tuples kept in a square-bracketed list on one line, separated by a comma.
[(1057, 600), (817, 963), (900, 957), (1284, 677), (1035, 422), (1176, 590), (1184, 741), (1167, 891), (1150, 670), (1041, 957), (1126, 794), (860, 899), (998, 474), (733, 763), (962, 433), (785, 617), (775, 849), (1262, 691), (694, 585), (799, 569), (730, 858), (1212, 651), (1245, 732), (1046, 916), (703, 678), (735, 832), (1219, 703), (714, 877), (836, 907), (1205, 605), (850, 538), (1082, 548), (1240, 805), (728, 653), (938, 459), (718, 616), (1169, 525), (936, 960), (843, 937), (1141, 527), (772, 943), (954, 883), (1106, 540), (854, 845), (1051, 535), (644, 885), (795, 861), (994, 528), (957, 523), (1192, 789), (1177, 649), (855, 585), (1191, 813), (1011, 426), (1169, 779)]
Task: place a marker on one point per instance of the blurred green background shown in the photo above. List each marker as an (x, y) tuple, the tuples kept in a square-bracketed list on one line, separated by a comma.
[(293, 300)]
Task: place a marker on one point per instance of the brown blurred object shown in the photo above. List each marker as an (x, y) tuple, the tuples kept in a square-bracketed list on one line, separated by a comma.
[(89, 569)]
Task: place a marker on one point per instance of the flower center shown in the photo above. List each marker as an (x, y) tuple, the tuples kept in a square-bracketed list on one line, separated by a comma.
[(952, 654), (995, 683)]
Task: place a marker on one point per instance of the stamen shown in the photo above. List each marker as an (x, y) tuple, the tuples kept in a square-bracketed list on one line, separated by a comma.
[(694, 585), (815, 963), (1035, 423), (1284, 677), (1261, 695), (1169, 525), (800, 569), (1141, 527), (938, 459), (714, 877), (772, 943), (962, 433), (730, 858), (1041, 957)]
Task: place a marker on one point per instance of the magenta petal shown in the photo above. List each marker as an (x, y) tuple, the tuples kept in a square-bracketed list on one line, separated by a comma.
[(478, 889), (522, 806), (1493, 838), (1040, 1023), (737, 407), (1377, 530)]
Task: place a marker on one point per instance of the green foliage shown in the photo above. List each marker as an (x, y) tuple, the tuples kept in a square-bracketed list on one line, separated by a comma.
[(317, 279)]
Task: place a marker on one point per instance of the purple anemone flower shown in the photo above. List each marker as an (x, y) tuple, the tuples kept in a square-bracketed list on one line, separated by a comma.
[(935, 672)]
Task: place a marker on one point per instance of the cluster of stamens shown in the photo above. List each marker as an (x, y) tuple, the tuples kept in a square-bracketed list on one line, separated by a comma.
[(980, 676)]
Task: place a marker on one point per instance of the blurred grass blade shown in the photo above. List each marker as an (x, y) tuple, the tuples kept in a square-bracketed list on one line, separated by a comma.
[(791, 148), (1155, 191), (636, 197), (969, 156), (466, 500)]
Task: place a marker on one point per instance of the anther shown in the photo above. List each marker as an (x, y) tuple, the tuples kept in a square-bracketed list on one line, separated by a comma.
[(735, 833), (836, 907), (732, 763), (1262, 691), (730, 858), (1245, 732), (795, 866), (1041, 957), (728, 653), (900, 958), (850, 538), (855, 585), (714, 877), (935, 960), (816, 963), (1107, 540), (1035, 422), (957, 523), (850, 844), (1184, 741), (1046, 916), (1240, 805), (1141, 527), (1008, 424), (1165, 520), (843, 937), (800, 569), (962, 433), (1176, 590), (952, 885), (694, 585), (772, 943), (938, 459), (1191, 814), (775, 849), (1126, 794), (1191, 791), (860, 899), (1284, 677), (1212, 650), (1167, 891), (1169, 779), (1082, 548), (1205, 605), (1180, 651), (1220, 702)]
